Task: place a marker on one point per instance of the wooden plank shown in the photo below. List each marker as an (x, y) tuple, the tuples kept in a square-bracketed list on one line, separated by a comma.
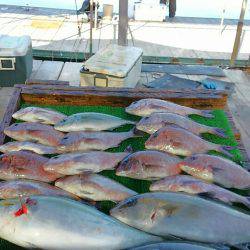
[(183, 69), (71, 73), (52, 94), (12, 107), (49, 70)]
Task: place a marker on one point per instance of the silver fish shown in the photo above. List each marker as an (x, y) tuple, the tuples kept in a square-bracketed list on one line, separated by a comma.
[(158, 120), (87, 141), (148, 165), (90, 121), (29, 146), (175, 246), (191, 185), (57, 223), (77, 163), (184, 216), (41, 115), (216, 169), (25, 188), (34, 132), (94, 187), (146, 107)]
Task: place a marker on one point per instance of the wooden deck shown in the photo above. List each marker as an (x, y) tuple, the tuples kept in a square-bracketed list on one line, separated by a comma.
[(55, 31)]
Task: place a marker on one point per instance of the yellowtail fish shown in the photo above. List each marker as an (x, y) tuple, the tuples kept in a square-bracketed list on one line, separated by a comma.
[(46, 222), (90, 121), (184, 216)]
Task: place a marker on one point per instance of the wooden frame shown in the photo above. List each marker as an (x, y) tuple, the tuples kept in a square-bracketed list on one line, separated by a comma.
[(54, 94)]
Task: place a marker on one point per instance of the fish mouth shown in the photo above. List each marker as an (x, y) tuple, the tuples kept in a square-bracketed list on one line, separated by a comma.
[(129, 110)]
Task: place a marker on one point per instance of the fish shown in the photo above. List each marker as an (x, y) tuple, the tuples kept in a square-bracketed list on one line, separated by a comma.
[(27, 146), (191, 185), (77, 163), (157, 121), (90, 121), (146, 107), (178, 141), (25, 188), (40, 115), (34, 132), (171, 245), (57, 223), (25, 165), (148, 165), (216, 169), (87, 141), (94, 187), (184, 216)]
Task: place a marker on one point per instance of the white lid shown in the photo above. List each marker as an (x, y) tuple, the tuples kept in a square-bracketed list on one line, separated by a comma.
[(114, 60), (14, 45)]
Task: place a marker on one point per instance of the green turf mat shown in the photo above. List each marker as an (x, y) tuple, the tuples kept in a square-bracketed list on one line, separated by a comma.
[(220, 120)]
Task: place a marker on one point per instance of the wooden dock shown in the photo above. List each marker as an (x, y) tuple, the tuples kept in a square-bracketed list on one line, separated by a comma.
[(54, 33)]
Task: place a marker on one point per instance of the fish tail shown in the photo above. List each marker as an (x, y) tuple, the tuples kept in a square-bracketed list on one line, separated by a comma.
[(129, 149), (224, 150), (206, 113), (134, 132), (219, 131), (246, 201)]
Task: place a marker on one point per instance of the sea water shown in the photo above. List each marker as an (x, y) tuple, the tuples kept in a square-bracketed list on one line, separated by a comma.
[(187, 8)]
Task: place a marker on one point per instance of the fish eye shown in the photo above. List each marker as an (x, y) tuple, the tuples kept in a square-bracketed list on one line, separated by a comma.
[(15, 125), (193, 158), (155, 135), (131, 202), (65, 138)]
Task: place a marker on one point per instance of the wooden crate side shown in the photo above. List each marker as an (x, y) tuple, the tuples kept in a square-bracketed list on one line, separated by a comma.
[(12, 107), (61, 95)]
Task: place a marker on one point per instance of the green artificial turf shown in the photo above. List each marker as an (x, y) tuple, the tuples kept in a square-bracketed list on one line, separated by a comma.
[(137, 144)]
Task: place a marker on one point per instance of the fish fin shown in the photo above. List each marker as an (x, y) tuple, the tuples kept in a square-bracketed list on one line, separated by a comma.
[(219, 132), (219, 246), (129, 149), (209, 195), (207, 113), (137, 133), (242, 246), (224, 150), (246, 201)]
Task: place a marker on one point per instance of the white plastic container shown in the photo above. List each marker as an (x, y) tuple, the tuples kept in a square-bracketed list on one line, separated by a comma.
[(114, 66), (150, 12)]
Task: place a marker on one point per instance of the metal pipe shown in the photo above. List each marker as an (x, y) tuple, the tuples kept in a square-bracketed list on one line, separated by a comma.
[(123, 22), (91, 28)]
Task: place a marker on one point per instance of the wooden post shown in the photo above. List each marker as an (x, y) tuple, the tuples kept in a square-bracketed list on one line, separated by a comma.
[(91, 28), (238, 33), (123, 22)]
